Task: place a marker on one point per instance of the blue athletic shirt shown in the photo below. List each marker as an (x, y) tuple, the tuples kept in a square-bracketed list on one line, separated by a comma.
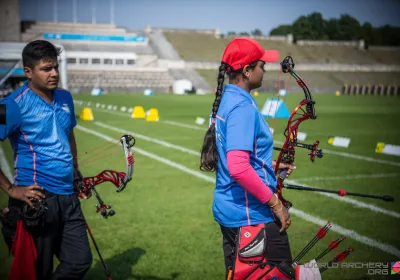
[(240, 126), (39, 135)]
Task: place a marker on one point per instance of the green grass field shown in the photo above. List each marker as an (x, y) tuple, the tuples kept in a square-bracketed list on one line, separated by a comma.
[(164, 228)]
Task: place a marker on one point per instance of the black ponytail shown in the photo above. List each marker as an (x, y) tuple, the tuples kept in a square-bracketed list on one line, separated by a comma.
[(209, 153)]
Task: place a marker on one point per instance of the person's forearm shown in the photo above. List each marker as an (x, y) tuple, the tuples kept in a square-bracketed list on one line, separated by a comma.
[(245, 175), (74, 150), (5, 184)]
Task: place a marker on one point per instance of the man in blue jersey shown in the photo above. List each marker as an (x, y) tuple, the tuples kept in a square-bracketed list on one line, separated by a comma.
[(40, 119)]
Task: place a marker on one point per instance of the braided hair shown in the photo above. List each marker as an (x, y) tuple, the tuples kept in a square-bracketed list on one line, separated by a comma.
[(209, 153)]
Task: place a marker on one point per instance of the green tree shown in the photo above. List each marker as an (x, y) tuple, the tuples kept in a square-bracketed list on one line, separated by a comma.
[(302, 28), (350, 28), (314, 27), (391, 35), (367, 33), (333, 29), (281, 30), (256, 32), (318, 26), (311, 27)]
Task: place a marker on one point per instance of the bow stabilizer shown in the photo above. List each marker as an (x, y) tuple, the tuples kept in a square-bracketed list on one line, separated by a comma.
[(340, 192)]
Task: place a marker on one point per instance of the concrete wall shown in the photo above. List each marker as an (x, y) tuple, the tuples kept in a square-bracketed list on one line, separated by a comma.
[(9, 21)]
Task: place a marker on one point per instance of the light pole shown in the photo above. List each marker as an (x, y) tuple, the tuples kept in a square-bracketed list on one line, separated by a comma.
[(55, 10), (94, 11), (74, 12), (112, 21)]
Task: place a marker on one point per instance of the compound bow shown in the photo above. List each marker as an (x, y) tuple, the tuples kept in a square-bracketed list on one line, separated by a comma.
[(287, 151), (86, 185)]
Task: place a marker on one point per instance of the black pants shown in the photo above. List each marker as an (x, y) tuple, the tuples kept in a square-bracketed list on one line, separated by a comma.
[(63, 235), (278, 248)]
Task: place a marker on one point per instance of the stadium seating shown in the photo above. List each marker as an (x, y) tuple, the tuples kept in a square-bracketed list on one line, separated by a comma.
[(317, 81), (119, 81), (199, 83), (113, 78), (171, 55), (205, 47)]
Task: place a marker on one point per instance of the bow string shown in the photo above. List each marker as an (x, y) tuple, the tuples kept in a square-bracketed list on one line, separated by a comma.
[(87, 185)]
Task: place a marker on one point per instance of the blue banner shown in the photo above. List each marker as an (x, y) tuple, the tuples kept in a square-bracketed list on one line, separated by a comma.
[(17, 71), (275, 108), (91, 37)]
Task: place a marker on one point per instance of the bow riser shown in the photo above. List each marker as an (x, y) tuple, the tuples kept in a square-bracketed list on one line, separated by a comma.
[(111, 176), (127, 142), (130, 169)]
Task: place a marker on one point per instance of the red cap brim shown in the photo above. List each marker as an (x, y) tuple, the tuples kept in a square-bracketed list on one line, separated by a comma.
[(270, 56)]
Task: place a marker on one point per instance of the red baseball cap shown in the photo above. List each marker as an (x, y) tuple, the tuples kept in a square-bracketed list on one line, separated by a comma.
[(243, 51)]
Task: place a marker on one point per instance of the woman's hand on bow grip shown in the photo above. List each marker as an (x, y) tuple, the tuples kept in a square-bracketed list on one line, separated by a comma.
[(284, 166)]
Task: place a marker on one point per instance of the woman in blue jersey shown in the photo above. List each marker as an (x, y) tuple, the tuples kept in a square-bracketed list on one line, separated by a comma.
[(239, 146)]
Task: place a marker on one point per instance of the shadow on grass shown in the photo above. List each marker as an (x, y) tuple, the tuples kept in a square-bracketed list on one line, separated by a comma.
[(120, 267)]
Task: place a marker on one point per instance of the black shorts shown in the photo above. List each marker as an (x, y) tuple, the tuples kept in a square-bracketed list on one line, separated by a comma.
[(278, 248)]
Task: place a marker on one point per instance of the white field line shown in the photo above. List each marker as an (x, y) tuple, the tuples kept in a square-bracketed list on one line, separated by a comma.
[(113, 112), (370, 159), (353, 202), (4, 166), (118, 113), (348, 177), (186, 125), (343, 154), (347, 232), (343, 231), (150, 155), (326, 151), (150, 139)]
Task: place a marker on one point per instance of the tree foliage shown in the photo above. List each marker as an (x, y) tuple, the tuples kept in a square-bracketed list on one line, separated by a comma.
[(346, 28), (256, 32), (282, 30)]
